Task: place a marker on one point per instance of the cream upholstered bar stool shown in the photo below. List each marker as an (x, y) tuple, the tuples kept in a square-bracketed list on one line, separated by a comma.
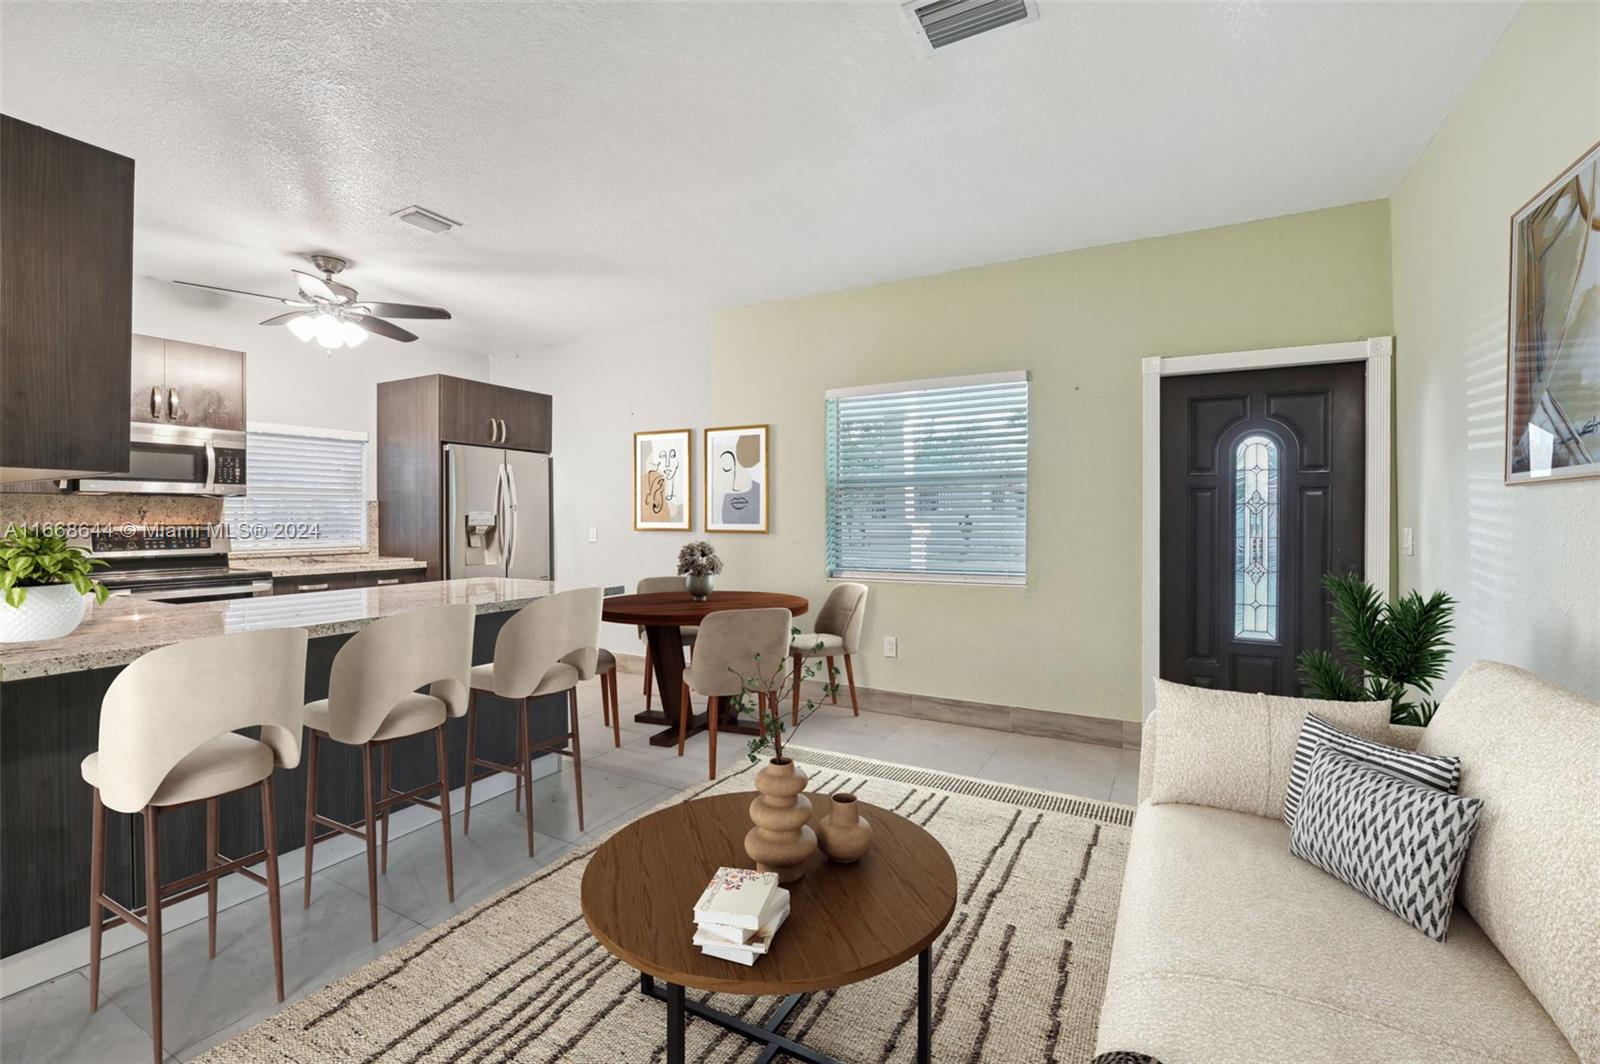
[(547, 648), (660, 585), (734, 646), (838, 633), (168, 740), (373, 701)]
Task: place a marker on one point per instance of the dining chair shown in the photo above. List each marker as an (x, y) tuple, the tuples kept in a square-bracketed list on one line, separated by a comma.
[(734, 646), (373, 701), (606, 669), (548, 647), (169, 739), (837, 632), (658, 585)]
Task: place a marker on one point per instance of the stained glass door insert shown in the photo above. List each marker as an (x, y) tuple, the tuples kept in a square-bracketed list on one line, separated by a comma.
[(1255, 544)]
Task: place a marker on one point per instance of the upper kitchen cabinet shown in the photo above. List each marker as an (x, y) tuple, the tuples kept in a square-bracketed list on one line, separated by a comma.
[(492, 415), (66, 305), (177, 383)]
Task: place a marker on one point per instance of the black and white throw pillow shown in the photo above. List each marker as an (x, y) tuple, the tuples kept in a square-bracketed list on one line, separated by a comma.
[(1440, 773), (1400, 843)]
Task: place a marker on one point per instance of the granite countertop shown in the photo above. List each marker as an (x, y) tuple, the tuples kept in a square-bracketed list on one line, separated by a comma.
[(121, 629), (322, 565)]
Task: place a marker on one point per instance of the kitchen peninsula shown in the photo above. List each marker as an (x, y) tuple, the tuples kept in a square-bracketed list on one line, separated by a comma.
[(50, 695)]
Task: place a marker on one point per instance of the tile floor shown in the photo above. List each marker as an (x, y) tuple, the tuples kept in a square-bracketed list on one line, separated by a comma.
[(209, 1001)]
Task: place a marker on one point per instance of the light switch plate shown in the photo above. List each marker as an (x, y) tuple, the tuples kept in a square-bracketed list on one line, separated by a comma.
[(891, 646), (1408, 542), (594, 534)]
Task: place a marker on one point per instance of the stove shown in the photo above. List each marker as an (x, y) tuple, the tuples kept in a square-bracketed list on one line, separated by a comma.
[(171, 563)]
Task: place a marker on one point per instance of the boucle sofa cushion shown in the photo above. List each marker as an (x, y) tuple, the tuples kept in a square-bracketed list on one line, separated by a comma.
[(1531, 751), (1229, 949), (1233, 750)]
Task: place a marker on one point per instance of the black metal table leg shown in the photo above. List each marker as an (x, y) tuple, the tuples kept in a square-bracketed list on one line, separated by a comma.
[(925, 1006), (674, 1023)]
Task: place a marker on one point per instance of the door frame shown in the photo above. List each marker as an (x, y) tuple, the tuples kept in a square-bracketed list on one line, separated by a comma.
[(1378, 354)]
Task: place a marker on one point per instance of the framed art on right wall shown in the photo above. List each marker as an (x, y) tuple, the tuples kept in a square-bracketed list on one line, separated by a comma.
[(1553, 344), (738, 480)]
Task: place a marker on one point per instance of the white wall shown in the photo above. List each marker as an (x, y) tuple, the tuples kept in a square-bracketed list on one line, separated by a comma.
[(1521, 560), (291, 383), (606, 388)]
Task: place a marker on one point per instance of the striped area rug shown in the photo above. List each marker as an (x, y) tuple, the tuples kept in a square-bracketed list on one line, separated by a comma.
[(1019, 973)]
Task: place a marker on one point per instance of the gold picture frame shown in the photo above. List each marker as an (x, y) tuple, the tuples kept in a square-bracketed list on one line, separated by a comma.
[(663, 481), (737, 481)]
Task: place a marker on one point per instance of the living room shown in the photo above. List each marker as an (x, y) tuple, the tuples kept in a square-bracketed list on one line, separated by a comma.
[(1120, 453)]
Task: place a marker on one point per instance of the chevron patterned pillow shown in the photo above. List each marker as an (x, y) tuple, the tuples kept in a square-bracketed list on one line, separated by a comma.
[(1430, 770), (1399, 843)]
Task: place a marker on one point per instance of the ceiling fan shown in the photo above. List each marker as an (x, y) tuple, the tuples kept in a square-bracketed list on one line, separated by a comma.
[(330, 313)]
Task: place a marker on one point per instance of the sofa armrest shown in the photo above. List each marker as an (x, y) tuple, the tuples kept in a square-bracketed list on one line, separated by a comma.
[(1147, 755)]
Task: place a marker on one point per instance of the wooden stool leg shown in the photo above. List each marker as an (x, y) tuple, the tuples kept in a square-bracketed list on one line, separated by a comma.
[(152, 917), (850, 673), (97, 888), (472, 752), (647, 672), (388, 786), (799, 671), (616, 709), (605, 700), (525, 762), (713, 711), (311, 806), (212, 845), (269, 835), (833, 688), (370, 821), (444, 810), (577, 756), (684, 709)]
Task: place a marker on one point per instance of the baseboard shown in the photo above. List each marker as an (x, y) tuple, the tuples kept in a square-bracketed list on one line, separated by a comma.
[(1101, 731)]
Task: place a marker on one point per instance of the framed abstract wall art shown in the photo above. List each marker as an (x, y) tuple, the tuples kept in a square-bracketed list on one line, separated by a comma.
[(1553, 358), (661, 474), (738, 481)]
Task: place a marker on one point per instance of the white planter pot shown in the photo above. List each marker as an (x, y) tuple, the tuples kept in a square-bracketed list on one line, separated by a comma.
[(47, 613)]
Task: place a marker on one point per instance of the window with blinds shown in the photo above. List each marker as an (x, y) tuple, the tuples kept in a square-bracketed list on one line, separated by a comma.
[(928, 480), (306, 491)]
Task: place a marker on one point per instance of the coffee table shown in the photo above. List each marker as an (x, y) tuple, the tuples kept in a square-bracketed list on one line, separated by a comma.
[(846, 922)]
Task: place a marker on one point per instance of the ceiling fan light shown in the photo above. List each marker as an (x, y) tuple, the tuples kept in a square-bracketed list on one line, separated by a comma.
[(354, 334), (329, 333), (302, 327)]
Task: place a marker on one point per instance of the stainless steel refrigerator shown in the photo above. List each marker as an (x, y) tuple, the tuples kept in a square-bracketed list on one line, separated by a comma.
[(496, 512)]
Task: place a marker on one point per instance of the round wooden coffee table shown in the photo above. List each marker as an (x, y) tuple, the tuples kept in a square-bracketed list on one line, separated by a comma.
[(663, 616), (846, 922)]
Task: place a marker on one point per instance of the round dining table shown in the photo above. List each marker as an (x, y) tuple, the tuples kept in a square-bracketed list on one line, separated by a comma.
[(663, 616)]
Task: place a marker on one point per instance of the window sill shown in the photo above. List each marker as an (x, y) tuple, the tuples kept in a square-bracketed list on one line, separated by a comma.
[(942, 579)]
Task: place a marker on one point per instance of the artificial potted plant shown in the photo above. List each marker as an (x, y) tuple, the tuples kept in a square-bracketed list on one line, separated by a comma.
[(699, 562), (44, 581)]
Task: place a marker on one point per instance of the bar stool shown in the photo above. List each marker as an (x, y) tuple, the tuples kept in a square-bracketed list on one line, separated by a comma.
[(838, 631), (606, 669), (372, 701), (734, 645), (658, 585), (168, 740), (548, 647)]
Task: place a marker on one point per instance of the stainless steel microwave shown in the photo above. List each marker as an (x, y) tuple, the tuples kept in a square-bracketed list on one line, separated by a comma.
[(177, 460)]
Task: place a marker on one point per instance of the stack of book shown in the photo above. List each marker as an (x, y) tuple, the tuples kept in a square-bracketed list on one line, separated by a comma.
[(738, 913)]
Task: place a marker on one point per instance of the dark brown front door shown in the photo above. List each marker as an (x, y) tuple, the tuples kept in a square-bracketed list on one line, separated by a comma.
[(1263, 491)]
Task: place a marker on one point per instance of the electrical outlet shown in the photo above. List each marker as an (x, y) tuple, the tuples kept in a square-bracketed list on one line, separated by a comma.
[(891, 646), (1408, 542), (594, 534)]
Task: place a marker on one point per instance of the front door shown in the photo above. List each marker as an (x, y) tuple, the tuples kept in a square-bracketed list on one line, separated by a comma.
[(1263, 491)]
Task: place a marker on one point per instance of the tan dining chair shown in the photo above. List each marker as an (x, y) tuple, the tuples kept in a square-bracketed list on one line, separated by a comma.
[(659, 585), (374, 701), (734, 646), (837, 634), (547, 648), (169, 739)]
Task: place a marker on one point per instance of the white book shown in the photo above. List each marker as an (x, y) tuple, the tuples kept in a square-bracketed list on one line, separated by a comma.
[(736, 897), (747, 953), (724, 934)]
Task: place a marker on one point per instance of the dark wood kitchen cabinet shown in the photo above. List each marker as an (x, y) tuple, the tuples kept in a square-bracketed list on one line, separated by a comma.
[(66, 304), (179, 383), (490, 414)]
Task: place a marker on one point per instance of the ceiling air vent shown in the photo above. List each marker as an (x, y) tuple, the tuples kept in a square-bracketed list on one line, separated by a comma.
[(423, 218), (943, 22)]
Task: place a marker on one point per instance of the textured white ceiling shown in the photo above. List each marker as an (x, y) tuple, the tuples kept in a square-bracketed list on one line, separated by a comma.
[(618, 163)]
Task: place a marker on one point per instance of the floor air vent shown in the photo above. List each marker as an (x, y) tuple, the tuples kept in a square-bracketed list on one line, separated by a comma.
[(944, 22)]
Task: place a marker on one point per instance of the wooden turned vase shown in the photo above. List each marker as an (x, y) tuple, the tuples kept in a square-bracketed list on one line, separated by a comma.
[(845, 835), (782, 839)]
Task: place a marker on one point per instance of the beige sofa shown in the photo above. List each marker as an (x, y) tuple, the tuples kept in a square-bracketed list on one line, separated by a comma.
[(1228, 948)]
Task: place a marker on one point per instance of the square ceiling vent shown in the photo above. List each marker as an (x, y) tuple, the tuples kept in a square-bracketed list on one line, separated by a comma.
[(940, 23)]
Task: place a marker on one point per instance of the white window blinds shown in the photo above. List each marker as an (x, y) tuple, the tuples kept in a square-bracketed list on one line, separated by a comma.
[(929, 480), (306, 490)]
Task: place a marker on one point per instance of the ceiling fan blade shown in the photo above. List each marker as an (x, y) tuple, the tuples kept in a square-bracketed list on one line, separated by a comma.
[(314, 287), (379, 327), (402, 310), (248, 295), (284, 319)]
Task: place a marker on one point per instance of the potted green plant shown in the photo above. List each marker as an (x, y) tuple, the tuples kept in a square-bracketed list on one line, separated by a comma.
[(699, 562), (44, 581), (1390, 649)]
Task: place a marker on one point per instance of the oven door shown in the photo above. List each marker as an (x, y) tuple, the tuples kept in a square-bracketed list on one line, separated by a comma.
[(175, 460)]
